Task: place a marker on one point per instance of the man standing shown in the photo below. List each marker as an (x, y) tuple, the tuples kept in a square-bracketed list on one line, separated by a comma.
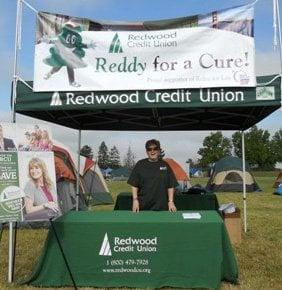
[(152, 181), (6, 144)]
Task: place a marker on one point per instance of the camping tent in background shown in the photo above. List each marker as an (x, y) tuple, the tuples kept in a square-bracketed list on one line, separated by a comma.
[(227, 175), (107, 172), (121, 173), (66, 180), (92, 184), (180, 174), (195, 172), (278, 179)]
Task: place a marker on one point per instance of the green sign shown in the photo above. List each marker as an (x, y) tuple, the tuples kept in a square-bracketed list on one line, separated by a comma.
[(262, 95), (10, 193)]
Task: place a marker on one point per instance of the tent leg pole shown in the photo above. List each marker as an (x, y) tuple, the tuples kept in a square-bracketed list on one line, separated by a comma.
[(63, 254), (78, 170), (15, 68), (244, 182), (14, 250), (280, 45), (10, 265)]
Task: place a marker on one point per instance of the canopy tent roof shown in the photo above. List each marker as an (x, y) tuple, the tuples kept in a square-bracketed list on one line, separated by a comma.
[(158, 110)]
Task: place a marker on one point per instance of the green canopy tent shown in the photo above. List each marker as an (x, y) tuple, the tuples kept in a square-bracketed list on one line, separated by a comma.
[(153, 110), (158, 110)]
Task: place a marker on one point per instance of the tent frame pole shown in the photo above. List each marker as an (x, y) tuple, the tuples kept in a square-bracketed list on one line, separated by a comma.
[(244, 182), (16, 49), (12, 246), (277, 6), (10, 266), (63, 254), (78, 169)]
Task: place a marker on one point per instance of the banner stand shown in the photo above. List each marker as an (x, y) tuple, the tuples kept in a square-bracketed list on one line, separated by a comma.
[(11, 260), (10, 265), (63, 254), (14, 250)]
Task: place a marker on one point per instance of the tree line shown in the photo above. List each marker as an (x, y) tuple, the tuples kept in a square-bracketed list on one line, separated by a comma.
[(261, 150), (110, 158)]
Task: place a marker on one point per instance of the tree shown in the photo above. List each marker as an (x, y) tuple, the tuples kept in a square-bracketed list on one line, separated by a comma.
[(129, 159), (237, 144), (103, 156), (276, 145), (86, 151), (162, 153), (215, 147), (190, 161), (258, 149), (114, 158)]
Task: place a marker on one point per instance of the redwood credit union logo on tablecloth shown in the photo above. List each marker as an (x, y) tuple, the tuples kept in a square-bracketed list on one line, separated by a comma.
[(127, 244), (105, 248)]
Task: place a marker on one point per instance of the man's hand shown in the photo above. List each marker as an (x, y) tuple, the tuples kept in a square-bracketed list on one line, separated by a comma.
[(171, 206), (135, 205)]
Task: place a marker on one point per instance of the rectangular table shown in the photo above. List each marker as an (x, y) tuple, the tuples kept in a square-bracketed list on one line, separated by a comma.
[(207, 201), (148, 249)]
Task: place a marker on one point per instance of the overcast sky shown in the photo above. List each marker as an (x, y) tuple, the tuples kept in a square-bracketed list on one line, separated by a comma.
[(179, 145)]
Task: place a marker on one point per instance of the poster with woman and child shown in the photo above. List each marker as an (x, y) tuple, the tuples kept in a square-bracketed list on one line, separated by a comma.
[(34, 137)]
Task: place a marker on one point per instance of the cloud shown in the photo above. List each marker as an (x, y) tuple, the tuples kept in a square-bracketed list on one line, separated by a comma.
[(5, 116), (182, 143), (268, 63)]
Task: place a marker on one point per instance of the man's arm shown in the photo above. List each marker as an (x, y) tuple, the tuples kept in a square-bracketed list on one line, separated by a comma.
[(135, 201), (171, 205)]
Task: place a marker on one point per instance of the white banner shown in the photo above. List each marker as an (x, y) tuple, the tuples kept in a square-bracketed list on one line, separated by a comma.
[(217, 51)]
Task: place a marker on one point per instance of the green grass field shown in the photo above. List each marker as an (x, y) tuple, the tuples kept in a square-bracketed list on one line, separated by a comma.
[(259, 255)]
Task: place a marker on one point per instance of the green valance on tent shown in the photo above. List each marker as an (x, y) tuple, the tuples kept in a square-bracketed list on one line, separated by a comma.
[(163, 110)]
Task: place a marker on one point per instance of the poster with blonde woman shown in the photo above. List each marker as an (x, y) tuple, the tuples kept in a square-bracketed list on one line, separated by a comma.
[(38, 181)]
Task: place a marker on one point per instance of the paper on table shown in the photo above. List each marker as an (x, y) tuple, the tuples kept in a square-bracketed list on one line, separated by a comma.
[(191, 215)]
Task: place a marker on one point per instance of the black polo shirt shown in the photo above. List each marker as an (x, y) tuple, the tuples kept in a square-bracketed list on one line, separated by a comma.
[(152, 178)]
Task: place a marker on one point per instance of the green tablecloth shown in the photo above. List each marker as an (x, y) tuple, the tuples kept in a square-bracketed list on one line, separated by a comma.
[(182, 201), (148, 249)]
